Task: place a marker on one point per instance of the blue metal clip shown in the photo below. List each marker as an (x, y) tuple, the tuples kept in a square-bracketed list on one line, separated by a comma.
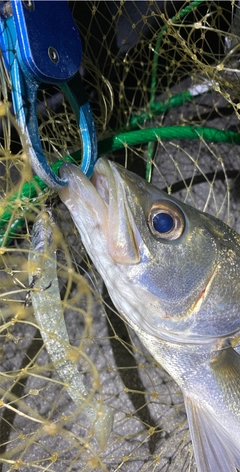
[(40, 44)]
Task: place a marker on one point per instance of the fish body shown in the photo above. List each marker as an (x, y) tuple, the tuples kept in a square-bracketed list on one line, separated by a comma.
[(173, 273)]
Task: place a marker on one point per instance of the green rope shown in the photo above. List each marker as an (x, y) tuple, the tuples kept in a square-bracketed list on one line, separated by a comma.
[(36, 187), (29, 192), (180, 15), (6, 237), (133, 138), (159, 108)]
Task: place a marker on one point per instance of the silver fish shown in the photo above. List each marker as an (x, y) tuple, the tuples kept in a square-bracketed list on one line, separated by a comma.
[(174, 275)]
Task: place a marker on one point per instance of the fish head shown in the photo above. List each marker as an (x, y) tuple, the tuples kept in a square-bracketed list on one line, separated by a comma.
[(170, 269)]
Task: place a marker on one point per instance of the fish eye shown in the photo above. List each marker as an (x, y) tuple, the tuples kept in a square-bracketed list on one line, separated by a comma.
[(166, 220)]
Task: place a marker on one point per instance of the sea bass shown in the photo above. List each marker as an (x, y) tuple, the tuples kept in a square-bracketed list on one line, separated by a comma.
[(173, 273)]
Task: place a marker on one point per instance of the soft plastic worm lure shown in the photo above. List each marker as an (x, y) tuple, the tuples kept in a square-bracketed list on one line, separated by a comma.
[(48, 312)]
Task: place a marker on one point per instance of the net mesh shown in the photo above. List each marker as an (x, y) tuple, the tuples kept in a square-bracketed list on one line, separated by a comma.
[(163, 83)]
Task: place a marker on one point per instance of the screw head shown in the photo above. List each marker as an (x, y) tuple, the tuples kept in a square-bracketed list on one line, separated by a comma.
[(53, 54), (29, 4)]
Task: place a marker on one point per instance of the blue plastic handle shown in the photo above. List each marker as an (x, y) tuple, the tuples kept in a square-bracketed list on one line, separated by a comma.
[(49, 43), (29, 44)]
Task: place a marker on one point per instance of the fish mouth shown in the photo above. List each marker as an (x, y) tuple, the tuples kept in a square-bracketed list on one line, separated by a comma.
[(122, 233), (105, 209)]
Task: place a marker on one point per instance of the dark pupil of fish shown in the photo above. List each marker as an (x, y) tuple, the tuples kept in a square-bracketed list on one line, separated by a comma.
[(163, 222)]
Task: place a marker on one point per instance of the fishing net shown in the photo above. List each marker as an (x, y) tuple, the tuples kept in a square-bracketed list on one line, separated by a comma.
[(163, 83)]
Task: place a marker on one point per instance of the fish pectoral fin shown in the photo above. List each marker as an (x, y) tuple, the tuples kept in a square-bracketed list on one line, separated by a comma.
[(214, 449), (226, 369)]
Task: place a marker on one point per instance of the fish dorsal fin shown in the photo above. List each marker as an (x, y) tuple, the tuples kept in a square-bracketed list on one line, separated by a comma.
[(214, 449)]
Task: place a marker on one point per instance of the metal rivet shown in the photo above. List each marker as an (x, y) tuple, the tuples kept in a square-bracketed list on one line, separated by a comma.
[(53, 54), (29, 5)]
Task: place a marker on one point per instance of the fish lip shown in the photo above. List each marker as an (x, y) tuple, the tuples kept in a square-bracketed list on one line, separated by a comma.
[(122, 234), (102, 178), (81, 192), (105, 177)]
